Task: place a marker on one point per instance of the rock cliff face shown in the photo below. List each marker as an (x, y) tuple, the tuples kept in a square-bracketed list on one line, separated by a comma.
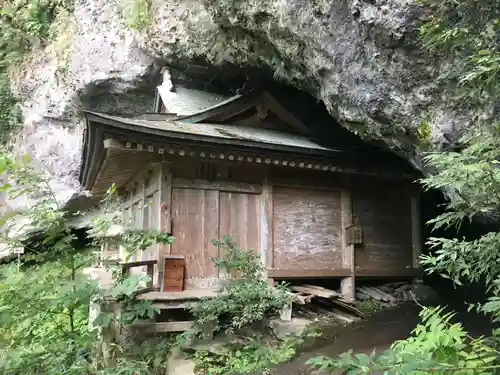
[(360, 57)]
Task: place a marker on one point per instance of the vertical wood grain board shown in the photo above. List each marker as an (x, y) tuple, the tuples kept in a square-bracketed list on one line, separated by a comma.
[(195, 223), (164, 212), (239, 219), (307, 228), (174, 275), (385, 217)]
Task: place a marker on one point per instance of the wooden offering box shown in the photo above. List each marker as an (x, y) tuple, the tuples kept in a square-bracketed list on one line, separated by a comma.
[(173, 275)]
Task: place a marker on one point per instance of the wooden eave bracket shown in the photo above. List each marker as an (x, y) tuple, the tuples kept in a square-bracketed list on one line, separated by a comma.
[(112, 143), (264, 158)]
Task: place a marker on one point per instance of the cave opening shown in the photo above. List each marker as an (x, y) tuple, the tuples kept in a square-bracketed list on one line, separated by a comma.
[(238, 81)]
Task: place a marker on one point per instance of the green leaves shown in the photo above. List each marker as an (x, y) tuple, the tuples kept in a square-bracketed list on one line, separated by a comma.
[(134, 240), (465, 33), (45, 302), (250, 356), (23, 23), (245, 296), (103, 319), (128, 286), (471, 178), (464, 36), (435, 346), (136, 13)]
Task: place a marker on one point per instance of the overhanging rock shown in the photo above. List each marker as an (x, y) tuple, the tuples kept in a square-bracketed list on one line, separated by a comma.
[(361, 58)]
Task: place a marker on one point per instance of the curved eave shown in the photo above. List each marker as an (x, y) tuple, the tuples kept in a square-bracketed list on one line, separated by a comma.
[(101, 126)]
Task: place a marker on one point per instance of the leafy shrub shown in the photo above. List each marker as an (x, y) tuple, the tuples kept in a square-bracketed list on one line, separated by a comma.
[(24, 24), (9, 116), (436, 346), (245, 296), (44, 303), (250, 356), (136, 13)]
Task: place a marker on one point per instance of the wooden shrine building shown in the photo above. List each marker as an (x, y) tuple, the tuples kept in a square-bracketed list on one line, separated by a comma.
[(247, 167)]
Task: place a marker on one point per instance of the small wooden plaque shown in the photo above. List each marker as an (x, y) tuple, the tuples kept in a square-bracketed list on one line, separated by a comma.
[(173, 275), (354, 234)]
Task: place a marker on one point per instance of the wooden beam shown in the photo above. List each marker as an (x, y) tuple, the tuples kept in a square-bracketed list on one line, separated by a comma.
[(186, 295), (139, 263), (416, 234), (154, 181), (170, 305), (320, 181), (153, 192), (283, 273), (101, 172), (140, 171), (390, 273), (226, 186), (142, 203), (139, 198), (347, 288), (284, 114), (112, 143)]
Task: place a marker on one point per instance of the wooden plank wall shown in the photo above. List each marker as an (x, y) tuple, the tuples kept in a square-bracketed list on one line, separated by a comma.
[(141, 204), (195, 219), (239, 219), (384, 213), (294, 228), (307, 228)]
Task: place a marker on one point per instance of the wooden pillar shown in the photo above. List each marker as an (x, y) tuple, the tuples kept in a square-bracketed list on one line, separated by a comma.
[(136, 211), (416, 233), (153, 192), (347, 286), (266, 227), (165, 215), (142, 204)]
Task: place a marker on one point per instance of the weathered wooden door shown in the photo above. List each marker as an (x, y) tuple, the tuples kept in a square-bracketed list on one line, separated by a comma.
[(239, 218), (195, 222), (200, 216)]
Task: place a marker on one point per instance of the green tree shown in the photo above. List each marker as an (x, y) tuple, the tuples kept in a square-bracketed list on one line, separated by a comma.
[(45, 297)]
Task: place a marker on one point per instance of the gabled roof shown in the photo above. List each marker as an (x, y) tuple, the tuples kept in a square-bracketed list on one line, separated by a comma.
[(247, 127), (186, 101), (253, 108), (261, 102), (184, 97), (214, 133)]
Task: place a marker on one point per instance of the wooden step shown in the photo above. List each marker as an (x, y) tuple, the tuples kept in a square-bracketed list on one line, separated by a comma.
[(163, 327), (170, 305), (185, 295)]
